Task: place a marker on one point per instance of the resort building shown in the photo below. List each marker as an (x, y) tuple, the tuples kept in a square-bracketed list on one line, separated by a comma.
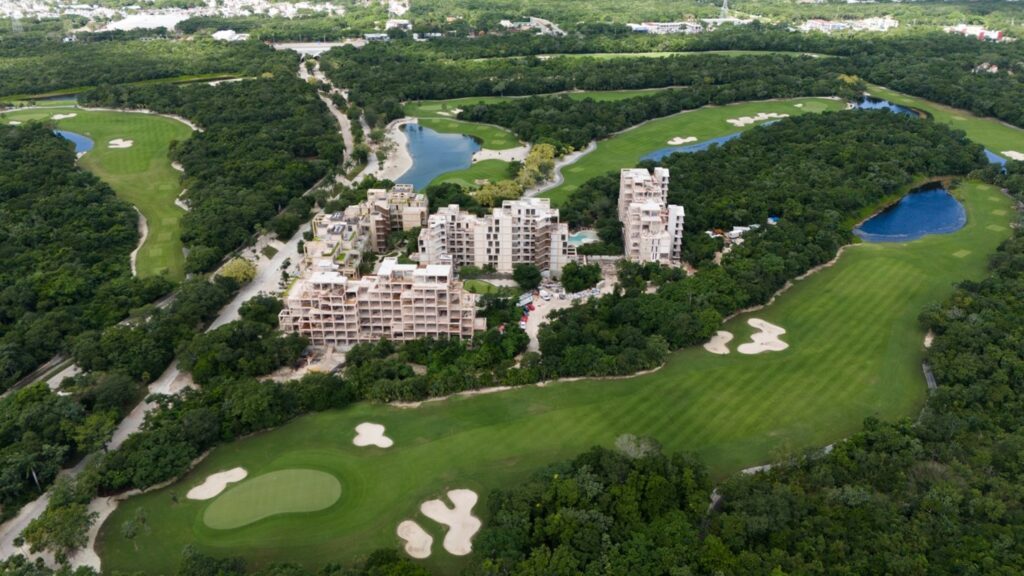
[(667, 27), (400, 302), (974, 31), (524, 231), (341, 238), (652, 229)]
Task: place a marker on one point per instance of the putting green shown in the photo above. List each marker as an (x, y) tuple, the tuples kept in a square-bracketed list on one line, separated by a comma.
[(282, 492), (141, 174)]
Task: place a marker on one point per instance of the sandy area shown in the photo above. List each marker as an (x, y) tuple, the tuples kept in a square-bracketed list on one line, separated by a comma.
[(216, 483), (450, 113), (398, 161), (719, 343), (177, 166), (767, 340), (63, 116), (143, 233), (461, 523), (928, 339), (801, 105), (744, 120), (680, 140), (14, 123), (369, 434), (517, 154), (1014, 155), (417, 541), (120, 143)]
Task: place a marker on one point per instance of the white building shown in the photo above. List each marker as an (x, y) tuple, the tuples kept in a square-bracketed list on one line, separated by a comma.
[(229, 36), (667, 27), (401, 302), (399, 24), (978, 32), (652, 228), (525, 231)]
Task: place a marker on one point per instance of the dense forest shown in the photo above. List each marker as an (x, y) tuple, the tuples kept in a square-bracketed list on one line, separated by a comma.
[(34, 65), (813, 172), (264, 143), (44, 430), (64, 243)]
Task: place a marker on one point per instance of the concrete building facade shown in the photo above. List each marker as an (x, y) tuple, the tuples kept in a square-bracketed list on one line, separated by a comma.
[(652, 229), (525, 231), (341, 238), (400, 302)]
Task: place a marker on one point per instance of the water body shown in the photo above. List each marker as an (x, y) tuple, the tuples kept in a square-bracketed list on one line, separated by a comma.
[(434, 154), (660, 153), (82, 143), (928, 210), (871, 103)]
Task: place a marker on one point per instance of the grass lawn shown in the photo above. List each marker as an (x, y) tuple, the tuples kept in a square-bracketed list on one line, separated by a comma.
[(279, 492), (492, 137), (492, 170), (477, 286), (855, 351), (141, 174), (989, 132), (625, 149)]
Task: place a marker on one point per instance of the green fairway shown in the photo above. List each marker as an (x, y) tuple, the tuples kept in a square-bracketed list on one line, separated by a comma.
[(855, 350), (491, 137), (281, 492), (141, 174), (492, 170), (444, 108), (624, 150), (993, 134)]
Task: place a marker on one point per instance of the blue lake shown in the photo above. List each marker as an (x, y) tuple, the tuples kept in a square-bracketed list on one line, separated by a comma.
[(930, 210), (869, 103), (434, 154), (82, 143)]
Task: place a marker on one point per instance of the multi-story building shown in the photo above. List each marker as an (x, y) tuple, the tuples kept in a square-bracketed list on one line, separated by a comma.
[(652, 229), (400, 302), (340, 238), (525, 231)]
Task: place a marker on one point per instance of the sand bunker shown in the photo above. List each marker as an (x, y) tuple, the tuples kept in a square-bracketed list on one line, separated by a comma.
[(369, 434), (719, 342), (767, 340), (798, 105), (1013, 155), (417, 541), (679, 140), (744, 120), (462, 525), (63, 116), (14, 123), (216, 483), (120, 143)]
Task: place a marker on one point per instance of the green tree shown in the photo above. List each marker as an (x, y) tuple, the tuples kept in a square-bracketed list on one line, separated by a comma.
[(527, 276)]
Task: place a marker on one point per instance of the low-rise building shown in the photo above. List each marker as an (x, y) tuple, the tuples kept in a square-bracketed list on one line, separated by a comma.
[(667, 27), (525, 231), (400, 302), (652, 229), (973, 31)]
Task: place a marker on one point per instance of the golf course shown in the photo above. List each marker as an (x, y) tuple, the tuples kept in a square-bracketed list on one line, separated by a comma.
[(854, 351), (130, 154)]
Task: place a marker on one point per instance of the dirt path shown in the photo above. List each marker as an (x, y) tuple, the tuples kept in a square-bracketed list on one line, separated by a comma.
[(143, 234)]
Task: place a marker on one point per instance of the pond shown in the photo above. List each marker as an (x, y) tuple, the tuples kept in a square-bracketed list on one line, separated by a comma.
[(927, 210), (434, 154), (82, 143), (660, 153), (871, 103)]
